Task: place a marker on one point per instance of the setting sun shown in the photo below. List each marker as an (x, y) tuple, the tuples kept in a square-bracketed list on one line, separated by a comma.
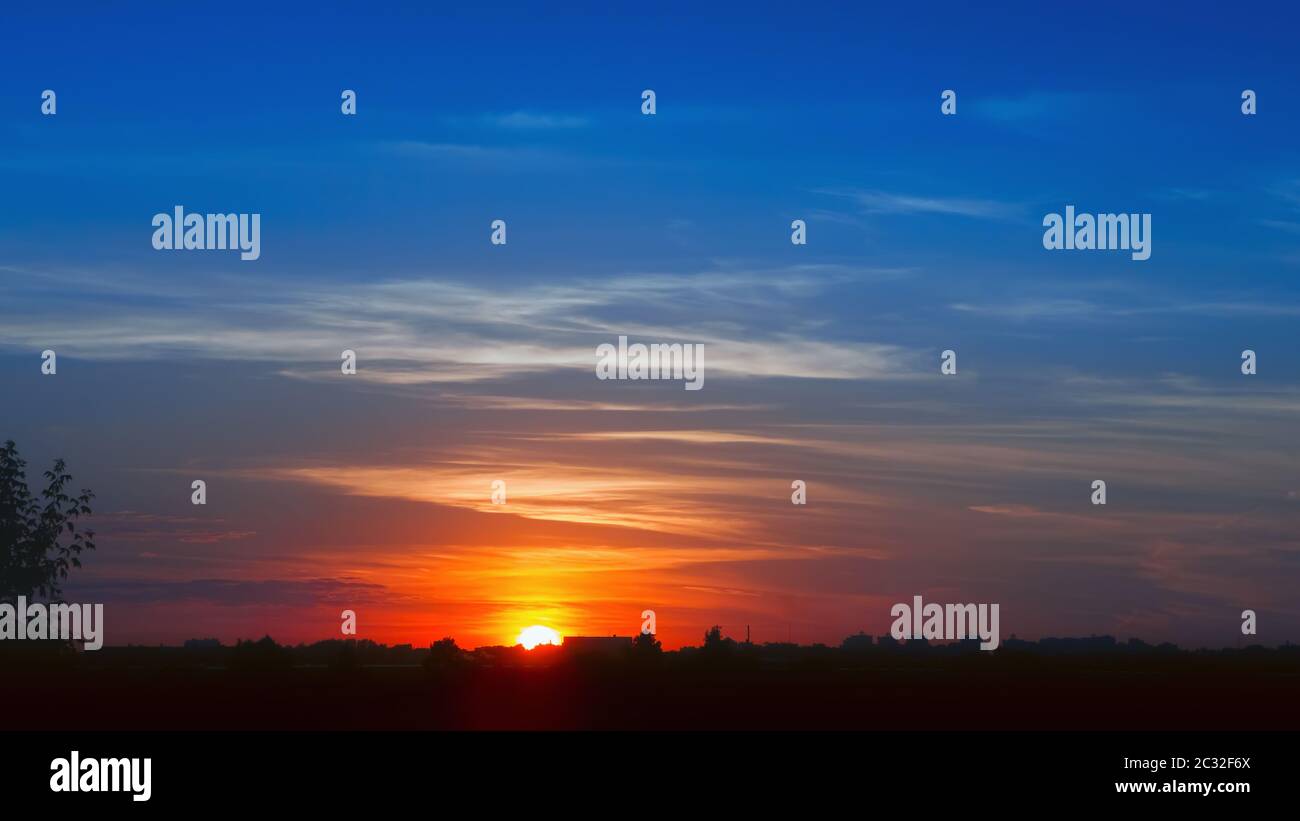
[(530, 637)]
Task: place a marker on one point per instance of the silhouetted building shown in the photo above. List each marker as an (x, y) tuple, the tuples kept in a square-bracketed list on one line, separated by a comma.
[(596, 645)]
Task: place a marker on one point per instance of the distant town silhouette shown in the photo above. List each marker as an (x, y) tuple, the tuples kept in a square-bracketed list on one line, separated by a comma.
[(619, 682)]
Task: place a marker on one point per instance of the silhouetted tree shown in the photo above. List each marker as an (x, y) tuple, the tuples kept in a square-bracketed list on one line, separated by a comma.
[(39, 539), (345, 656), (715, 646), (861, 643), (646, 645), (445, 655)]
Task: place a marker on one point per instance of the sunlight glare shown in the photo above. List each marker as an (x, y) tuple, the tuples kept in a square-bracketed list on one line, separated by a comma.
[(530, 637)]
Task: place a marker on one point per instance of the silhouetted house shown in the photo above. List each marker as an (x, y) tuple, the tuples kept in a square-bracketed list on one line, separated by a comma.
[(596, 645), (496, 655)]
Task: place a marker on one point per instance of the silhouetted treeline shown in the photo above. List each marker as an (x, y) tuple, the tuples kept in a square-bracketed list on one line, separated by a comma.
[(716, 651), (626, 683)]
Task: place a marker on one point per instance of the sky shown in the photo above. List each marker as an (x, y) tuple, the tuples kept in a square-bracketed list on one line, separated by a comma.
[(372, 491)]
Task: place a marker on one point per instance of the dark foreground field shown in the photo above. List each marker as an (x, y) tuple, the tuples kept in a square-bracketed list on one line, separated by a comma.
[(1000, 691)]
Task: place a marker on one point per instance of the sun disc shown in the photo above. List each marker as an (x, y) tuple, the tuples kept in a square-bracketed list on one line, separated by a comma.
[(530, 637)]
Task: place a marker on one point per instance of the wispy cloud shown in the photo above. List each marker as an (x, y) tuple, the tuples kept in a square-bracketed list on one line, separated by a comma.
[(1290, 226), (241, 593), (135, 526), (1047, 308), (532, 403), (1183, 194), (410, 331), (1027, 309), (1289, 191), (536, 121), (885, 202), (485, 156)]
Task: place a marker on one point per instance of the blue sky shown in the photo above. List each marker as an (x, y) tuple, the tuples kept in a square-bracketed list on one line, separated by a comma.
[(467, 117), (924, 234)]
